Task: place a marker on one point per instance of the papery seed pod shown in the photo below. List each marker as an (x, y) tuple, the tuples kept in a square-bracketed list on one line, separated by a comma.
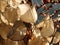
[(30, 16), (38, 41), (10, 42), (17, 32), (4, 29), (47, 27), (3, 4), (25, 11), (22, 9), (9, 16), (56, 38), (3, 19)]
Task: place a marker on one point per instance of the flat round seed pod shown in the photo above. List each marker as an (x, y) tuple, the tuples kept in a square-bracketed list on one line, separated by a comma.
[(56, 38), (21, 43), (10, 15), (22, 9), (3, 4), (38, 41), (4, 29), (9, 42), (17, 32), (48, 27), (30, 15)]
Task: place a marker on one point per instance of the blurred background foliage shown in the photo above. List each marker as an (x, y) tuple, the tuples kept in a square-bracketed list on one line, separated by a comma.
[(51, 7)]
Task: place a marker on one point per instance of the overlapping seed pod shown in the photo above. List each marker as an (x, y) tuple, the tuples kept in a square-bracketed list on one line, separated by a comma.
[(22, 10), (10, 42), (17, 32), (56, 38), (38, 41), (30, 16), (3, 4), (47, 27), (9, 16), (27, 14), (4, 29)]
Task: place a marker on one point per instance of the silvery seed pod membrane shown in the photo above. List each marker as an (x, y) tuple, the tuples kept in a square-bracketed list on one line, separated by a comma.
[(56, 38), (4, 29), (3, 4), (48, 27), (38, 41), (21, 43), (17, 32), (9, 42), (22, 9), (29, 15), (9, 16)]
